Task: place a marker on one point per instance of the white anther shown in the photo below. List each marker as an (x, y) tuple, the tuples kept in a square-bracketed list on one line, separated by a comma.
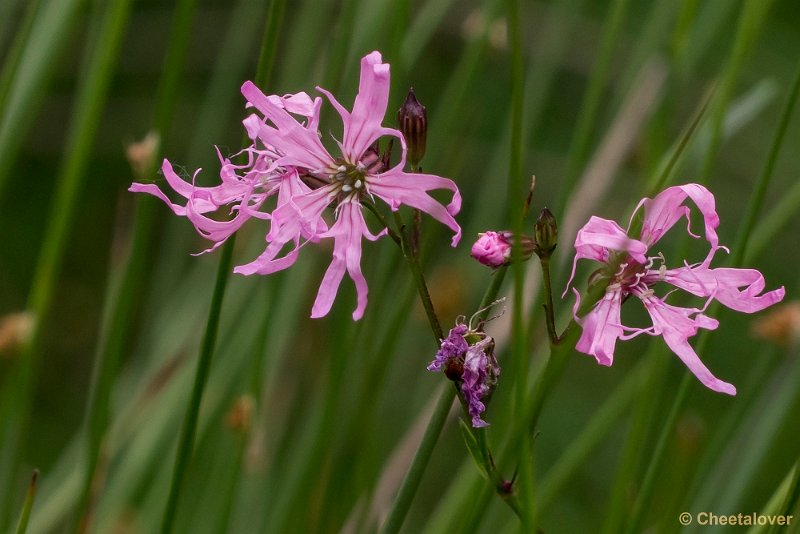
[(358, 184), (347, 188), (341, 168)]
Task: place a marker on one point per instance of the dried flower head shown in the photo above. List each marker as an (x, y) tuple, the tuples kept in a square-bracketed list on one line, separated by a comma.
[(467, 358)]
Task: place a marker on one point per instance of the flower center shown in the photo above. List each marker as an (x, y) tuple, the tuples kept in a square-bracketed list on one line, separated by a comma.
[(631, 273), (350, 178)]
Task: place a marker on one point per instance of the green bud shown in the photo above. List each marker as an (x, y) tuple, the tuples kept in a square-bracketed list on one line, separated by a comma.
[(546, 231)]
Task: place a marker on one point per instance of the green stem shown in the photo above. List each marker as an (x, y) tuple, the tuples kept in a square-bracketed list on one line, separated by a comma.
[(516, 210), (36, 65), (201, 376), (591, 105), (124, 293), (757, 199), (658, 455), (12, 58), (419, 463), (22, 525), (419, 278), (408, 488), (752, 16), (265, 64), (99, 65), (549, 310)]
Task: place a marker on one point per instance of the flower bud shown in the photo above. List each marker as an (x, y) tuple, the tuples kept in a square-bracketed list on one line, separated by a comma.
[(493, 249), (413, 120), (546, 231)]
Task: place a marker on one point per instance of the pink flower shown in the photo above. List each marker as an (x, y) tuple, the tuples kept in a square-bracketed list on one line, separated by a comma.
[(635, 273), (244, 187), (357, 175), (287, 160), (492, 249)]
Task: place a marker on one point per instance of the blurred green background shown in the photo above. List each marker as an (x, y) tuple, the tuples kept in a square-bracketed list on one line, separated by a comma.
[(610, 87)]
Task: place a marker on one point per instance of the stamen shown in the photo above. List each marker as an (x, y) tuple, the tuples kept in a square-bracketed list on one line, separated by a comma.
[(358, 184)]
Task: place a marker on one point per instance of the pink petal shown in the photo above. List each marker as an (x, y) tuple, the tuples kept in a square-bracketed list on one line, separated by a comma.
[(676, 326), (299, 145), (297, 217), (347, 232), (601, 326), (362, 126), (723, 284), (600, 236), (252, 124), (663, 211), (152, 189), (396, 187)]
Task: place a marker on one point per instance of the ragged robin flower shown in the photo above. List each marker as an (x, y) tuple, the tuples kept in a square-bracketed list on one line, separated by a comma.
[(632, 272), (288, 160)]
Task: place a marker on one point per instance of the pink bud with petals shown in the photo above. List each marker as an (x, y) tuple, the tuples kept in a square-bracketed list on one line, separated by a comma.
[(493, 249)]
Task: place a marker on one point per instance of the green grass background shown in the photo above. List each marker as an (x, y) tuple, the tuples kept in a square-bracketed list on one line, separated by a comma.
[(339, 406)]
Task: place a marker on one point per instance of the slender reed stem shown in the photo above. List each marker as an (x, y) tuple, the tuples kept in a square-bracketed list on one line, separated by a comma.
[(266, 60), (751, 18), (754, 208), (591, 105), (12, 58), (37, 64), (408, 488), (123, 295), (516, 210), (22, 525), (98, 69), (549, 310), (201, 376), (419, 278)]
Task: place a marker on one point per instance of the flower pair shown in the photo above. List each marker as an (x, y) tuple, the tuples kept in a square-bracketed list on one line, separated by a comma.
[(287, 160)]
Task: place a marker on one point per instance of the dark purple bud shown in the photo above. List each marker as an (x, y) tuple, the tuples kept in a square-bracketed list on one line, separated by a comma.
[(413, 120)]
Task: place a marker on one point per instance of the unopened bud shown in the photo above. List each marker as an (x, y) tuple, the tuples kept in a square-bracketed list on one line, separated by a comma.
[(546, 231), (413, 120), (493, 249)]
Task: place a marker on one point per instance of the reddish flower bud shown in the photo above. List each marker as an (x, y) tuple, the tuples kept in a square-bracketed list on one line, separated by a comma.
[(413, 120), (493, 249)]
